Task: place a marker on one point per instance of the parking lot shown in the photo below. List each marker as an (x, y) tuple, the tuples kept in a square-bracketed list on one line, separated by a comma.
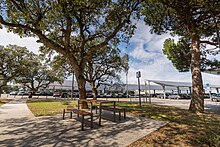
[(184, 103), (180, 103)]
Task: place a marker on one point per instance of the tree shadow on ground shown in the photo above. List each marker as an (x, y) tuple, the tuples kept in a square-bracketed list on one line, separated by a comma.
[(53, 131)]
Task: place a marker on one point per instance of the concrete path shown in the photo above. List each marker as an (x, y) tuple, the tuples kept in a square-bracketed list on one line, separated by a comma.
[(18, 127), (15, 109)]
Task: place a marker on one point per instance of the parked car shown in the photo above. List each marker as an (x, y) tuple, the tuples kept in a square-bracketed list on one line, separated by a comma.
[(160, 95), (184, 96), (89, 95), (153, 95), (119, 95), (65, 95), (23, 93), (134, 96), (107, 95), (122, 95), (206, 95), (174, 96), (76, 94), (56, 94), (216, 97), (13, 93), (43, 93), (100, 95)]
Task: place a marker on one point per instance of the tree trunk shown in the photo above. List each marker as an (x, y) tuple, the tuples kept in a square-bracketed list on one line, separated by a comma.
[(197, 101), (94, 90), (81, 82), (72, 93), (0, 92)]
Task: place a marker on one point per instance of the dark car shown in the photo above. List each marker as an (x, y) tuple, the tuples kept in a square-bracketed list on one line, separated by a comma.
[(75, 94), (65, 95), (89, 95), (216, 97), (43, 93), (56, 95), (153, 95), (184, 96), (121, 95), (206, 95)]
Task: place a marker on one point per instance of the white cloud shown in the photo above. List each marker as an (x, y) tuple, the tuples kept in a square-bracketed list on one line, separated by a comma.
[(11, 38), (146, 56)]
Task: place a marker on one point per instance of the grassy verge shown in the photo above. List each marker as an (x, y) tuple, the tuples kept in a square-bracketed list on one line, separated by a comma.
[(49, 107), (3, 101), (183, 129)]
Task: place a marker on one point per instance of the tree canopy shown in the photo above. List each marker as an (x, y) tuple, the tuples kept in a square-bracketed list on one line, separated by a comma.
[(72, 28), (179, 54), (38, 74), (195, 20), (13, 61), (105, 66)]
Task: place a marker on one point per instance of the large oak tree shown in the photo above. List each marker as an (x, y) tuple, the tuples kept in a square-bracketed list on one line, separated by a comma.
[(13, 61), (196, 20), (105, 66), (179, 54), (71, 27), (38, 73)]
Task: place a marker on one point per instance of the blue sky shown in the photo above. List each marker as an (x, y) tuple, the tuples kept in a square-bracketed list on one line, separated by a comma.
[(145, 52)]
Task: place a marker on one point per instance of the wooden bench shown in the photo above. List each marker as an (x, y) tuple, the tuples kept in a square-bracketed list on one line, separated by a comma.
[(115, 110), (79, 112), (68, 110)]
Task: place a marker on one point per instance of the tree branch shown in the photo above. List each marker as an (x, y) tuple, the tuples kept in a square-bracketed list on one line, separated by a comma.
[(42, 38), (208, 42)]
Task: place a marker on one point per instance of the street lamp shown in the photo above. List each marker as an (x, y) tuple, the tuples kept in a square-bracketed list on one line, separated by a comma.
[(138, 75), (127, 85), (72, 88), (147, 82)]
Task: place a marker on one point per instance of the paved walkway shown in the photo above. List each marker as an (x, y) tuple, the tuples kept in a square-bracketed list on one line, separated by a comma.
[(15, 109), (18, 127)]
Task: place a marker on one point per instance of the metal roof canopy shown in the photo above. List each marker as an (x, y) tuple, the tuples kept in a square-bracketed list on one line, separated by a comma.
[(171, 83), (177, 84)]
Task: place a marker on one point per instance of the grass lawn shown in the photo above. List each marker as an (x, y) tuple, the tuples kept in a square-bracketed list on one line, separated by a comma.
[(183, 129), (3, 101), (49, 107)]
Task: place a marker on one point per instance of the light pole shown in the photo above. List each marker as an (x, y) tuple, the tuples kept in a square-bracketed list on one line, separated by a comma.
[(127, 85), (149, 91), (145, 90), (138, 75), (72, 93)]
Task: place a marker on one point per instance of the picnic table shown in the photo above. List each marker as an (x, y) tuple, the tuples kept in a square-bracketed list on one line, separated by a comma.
[(102, 106)]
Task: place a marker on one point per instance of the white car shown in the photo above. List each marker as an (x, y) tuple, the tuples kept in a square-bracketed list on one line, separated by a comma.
[(23, 93), (216, 97), (174, 96), (13, 93), (160, 95)]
